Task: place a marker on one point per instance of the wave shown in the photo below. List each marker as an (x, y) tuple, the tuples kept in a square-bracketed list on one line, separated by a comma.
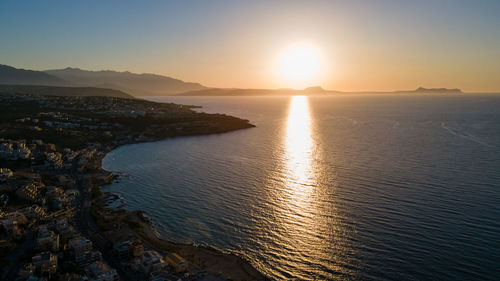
[(466, 136)]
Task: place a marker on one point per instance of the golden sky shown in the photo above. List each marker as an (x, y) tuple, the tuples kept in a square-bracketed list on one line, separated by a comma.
[(363, 45)]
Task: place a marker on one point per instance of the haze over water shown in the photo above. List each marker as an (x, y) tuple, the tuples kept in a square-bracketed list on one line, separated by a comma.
[(343, 187)]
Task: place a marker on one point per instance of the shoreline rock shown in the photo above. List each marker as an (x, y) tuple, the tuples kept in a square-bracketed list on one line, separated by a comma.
[(216, 261)]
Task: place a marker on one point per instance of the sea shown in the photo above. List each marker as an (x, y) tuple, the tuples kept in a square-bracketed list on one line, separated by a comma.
[(347, 187)]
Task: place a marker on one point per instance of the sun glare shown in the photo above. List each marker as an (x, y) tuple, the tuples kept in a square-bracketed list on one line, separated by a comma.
[(299, 66)]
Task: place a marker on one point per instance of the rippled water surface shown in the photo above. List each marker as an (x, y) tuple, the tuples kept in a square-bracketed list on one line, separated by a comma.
[(344, 187)]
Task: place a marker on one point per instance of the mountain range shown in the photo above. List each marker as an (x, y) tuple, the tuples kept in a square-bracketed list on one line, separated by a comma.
[(11, 75), (135, 84), (132, 83), (124, 83)]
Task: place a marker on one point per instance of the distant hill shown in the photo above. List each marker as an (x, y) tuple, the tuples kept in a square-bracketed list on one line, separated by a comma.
[(62, 91), (258, 92), (11, 75), (438, 90), (135, 84), (154, 85), (421, 90), (311, 91)]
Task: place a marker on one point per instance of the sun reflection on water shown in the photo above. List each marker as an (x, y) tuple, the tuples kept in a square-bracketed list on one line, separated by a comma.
[(305, 233), (299, 148)]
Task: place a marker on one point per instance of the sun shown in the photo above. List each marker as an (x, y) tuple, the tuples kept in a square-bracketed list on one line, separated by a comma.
[(299, 66)]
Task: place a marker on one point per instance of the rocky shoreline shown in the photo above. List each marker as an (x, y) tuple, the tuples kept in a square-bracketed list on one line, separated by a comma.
[(229, 266), (51, 151)]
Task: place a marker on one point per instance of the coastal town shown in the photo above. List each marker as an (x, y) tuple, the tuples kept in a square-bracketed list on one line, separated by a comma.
[(56, 224)]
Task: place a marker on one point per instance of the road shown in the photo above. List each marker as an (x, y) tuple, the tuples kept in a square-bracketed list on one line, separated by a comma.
[(87, 226), (15, 255)]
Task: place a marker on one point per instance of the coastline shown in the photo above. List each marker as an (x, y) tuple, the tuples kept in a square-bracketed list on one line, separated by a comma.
[(51, 164), (227, 265)]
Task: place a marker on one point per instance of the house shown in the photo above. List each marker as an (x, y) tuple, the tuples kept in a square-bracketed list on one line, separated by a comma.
[(14, 150), (10, 228), (28, 192), (68, 233), (5, 174), (47, 239), (89, 257), (45, 262), (99, 271), (177, 262), (126, 249), (71, 195), (56, 197), (34, 211), (54, 160), (54, 192), (17, 216), (151, 261), (62, 225), (69, 157), (80, 247), (4, 199)]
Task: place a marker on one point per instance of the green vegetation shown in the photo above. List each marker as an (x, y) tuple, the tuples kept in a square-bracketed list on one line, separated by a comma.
[(76, 122), (96, 192)]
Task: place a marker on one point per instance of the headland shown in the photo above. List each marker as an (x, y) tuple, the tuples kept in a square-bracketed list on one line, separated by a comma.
[(51, 150)]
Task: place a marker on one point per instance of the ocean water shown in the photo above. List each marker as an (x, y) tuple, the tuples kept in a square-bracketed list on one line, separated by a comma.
[(332, 188)]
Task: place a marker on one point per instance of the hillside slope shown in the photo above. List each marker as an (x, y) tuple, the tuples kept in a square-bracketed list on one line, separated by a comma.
[(136, 84), (12, 75), (62, 91)]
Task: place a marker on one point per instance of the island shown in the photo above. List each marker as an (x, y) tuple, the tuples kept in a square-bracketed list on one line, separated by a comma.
[(310, 91), (56, 223), (422, 90)]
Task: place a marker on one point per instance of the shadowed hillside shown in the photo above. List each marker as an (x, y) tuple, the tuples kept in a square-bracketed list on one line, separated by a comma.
[(11, 75), (62, 91), (135, 84)]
